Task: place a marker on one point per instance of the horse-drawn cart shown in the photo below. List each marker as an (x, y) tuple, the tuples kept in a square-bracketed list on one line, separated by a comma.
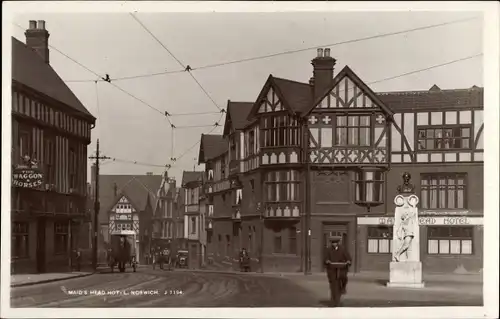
[(122, 253)]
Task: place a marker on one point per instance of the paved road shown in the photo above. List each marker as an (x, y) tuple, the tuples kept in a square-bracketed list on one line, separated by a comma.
[(175, 289), (362, 293), (195, 289)]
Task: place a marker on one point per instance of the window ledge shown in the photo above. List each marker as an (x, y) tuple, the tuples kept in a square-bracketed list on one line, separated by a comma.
[(283, 255), (24, 258)]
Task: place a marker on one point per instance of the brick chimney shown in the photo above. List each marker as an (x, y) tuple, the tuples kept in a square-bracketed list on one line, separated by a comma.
[(323, 65), (172, 183), (37, 38)]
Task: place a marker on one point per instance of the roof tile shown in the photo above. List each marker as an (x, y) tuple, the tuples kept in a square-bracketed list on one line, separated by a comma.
[(29, 69)]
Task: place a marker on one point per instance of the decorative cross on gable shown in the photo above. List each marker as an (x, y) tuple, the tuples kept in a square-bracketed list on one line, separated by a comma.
[(380, 119), (313, 120), (327, 120)]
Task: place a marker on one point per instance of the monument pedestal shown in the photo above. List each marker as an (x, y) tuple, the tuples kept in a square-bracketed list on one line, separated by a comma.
[(406, 274)]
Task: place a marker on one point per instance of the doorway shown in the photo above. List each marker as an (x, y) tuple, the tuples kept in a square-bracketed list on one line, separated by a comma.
[(334, 232), (40, 245)]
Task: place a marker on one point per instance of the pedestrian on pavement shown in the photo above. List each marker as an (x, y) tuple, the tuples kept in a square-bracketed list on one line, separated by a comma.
[(337, 260), (78, 259), (244, 260)]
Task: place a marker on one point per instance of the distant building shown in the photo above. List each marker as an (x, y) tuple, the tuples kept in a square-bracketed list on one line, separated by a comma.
[(180, 239), (126, 208), (50, 135), (163, 232), (309, 162), (191, 183)]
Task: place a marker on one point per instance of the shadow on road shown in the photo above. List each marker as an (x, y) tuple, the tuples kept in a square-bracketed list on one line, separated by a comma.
[(355, 303)]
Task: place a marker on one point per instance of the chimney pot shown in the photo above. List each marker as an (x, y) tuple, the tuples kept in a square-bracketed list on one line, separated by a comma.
[(41, 24), (37, 39), (327, 52), (320, 52)]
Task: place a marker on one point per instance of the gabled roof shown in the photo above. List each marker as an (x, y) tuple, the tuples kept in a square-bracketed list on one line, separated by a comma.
[(346, 71), (137, 188), (211, 146), (433, 99), (298, 95), (295, 96), (29, 69), (237, 115), (263, 92), (190, 176)]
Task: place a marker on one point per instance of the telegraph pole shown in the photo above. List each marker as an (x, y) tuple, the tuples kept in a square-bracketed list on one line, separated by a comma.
[(97, 158)]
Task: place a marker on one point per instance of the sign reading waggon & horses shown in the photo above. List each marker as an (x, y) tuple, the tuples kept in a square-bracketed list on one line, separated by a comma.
[(26, 174), (27, 177)]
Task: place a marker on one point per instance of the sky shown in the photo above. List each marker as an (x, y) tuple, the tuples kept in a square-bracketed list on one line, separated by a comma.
[(116, 44)]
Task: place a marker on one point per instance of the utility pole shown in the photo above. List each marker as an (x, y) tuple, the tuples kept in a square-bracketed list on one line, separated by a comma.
[(97, 158)]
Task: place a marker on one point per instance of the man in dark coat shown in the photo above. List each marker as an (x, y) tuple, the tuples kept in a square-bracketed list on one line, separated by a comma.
[(337, 274)]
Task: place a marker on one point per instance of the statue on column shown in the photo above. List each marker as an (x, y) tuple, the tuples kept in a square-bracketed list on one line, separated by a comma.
[(405, 233), (406, 268), (407, 224)]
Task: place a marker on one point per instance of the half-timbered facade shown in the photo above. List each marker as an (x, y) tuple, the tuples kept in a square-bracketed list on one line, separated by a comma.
[(321, 160), (50, 135), (192, 185), (163, 229), (437, 136), (127, 203)]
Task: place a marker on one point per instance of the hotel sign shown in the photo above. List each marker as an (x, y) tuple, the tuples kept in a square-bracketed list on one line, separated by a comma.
[(425, 221), (27, 177)]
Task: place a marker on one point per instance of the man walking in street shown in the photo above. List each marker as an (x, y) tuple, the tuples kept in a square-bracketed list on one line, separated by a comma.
[(337, 260)]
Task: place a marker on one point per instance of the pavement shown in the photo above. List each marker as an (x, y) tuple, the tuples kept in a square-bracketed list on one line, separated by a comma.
[(20, 280), (212, 288)]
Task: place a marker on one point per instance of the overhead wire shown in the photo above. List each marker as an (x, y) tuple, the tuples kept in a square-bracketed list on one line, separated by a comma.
[(214, 65), (216, 125), (257, 58), (187, 68), (107, 79), (173, 160)]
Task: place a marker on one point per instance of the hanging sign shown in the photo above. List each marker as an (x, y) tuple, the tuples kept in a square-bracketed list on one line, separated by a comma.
[(27, 177)]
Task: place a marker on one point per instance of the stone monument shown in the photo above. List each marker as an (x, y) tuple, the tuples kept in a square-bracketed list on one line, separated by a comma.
[(405, 267)]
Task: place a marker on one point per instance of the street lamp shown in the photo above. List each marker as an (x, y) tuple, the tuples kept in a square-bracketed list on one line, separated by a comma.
[(369, 184)]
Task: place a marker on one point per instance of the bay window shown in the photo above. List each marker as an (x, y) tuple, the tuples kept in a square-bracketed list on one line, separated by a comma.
[(281, 130), (282, 186)]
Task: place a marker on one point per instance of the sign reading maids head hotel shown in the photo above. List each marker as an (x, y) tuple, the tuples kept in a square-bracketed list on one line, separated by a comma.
[(425, 220)]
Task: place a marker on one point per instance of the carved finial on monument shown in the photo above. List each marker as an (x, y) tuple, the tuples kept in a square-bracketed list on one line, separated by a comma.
[(407, 187)]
